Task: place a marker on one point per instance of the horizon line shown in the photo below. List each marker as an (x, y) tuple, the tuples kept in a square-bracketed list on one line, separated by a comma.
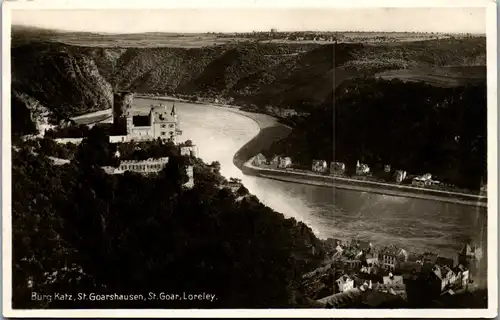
[(241, 32)]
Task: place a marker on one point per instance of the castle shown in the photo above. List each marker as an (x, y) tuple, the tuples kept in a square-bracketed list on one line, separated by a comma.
[(149, 166), (130, 124)]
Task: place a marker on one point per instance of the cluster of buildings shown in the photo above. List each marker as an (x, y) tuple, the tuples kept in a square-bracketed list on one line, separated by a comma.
[(360, 266), (154, 165), (339, 168), (135, 125)]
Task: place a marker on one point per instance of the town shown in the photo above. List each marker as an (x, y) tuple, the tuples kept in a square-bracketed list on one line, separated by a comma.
[(357, 271), (362, 171)]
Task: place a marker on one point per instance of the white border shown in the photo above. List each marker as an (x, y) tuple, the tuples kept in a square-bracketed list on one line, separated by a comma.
[(268, 313)]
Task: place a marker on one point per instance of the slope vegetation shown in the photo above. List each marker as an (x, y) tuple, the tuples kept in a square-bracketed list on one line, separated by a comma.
[(74, 79)]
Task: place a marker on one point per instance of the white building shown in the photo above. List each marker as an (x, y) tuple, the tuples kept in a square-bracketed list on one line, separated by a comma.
[(392, 279), (400, 176), (191, 151), (345, 283), (319, 166), (285, 162), (362, 168), (142, 166), (149, 166)]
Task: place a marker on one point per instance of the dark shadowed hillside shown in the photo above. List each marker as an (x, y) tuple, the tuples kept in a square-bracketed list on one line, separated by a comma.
[(65, 82), (412, 126), (77, 229)]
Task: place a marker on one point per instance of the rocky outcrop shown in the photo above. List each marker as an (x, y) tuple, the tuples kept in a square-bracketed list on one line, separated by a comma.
[(29, 116), (66, 83)]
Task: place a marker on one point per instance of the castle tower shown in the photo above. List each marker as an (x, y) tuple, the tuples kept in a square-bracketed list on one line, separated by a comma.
[(122, 103), (470, 257)]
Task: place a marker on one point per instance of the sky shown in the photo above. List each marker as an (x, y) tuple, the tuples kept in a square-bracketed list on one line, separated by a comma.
[(449, 20)]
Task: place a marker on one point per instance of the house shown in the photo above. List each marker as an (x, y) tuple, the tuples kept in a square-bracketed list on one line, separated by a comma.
[(392, 279), (319, 166), (189, 150), (371, 259), (259, 160), (285, 162), (463, 276), (362, 169), (470, 256), (345, 283), (442, 278), (418, 182), (424, 181), (400, 176), (337, 167), (352, 264), (339, 249), (388, 258), (403, 255), (372, 267), (275, 161)]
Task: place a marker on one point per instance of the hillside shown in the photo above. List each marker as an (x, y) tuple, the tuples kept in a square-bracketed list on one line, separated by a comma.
[(69, 80), (65, 82), (412, 126), (147, 234)]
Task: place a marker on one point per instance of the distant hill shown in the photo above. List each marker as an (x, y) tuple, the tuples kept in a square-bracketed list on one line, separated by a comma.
[(69, 80)]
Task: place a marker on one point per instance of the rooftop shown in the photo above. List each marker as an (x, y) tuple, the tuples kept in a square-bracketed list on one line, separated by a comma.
[(442, 261)]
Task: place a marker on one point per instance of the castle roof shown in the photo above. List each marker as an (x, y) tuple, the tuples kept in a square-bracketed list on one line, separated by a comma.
[(163, 113)]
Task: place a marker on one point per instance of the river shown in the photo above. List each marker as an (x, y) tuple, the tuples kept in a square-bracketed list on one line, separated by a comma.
[(414, 224)]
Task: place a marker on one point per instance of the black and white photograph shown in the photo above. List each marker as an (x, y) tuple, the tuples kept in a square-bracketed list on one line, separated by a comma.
[(281, 159)]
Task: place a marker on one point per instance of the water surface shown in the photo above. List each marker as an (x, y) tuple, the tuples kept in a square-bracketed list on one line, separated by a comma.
[(414, 224)]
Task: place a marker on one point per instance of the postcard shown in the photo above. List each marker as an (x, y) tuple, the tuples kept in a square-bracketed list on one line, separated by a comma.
[(319, 160)]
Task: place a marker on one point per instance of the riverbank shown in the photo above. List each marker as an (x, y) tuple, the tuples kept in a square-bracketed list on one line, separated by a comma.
[(271, 130), (365, 186)]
